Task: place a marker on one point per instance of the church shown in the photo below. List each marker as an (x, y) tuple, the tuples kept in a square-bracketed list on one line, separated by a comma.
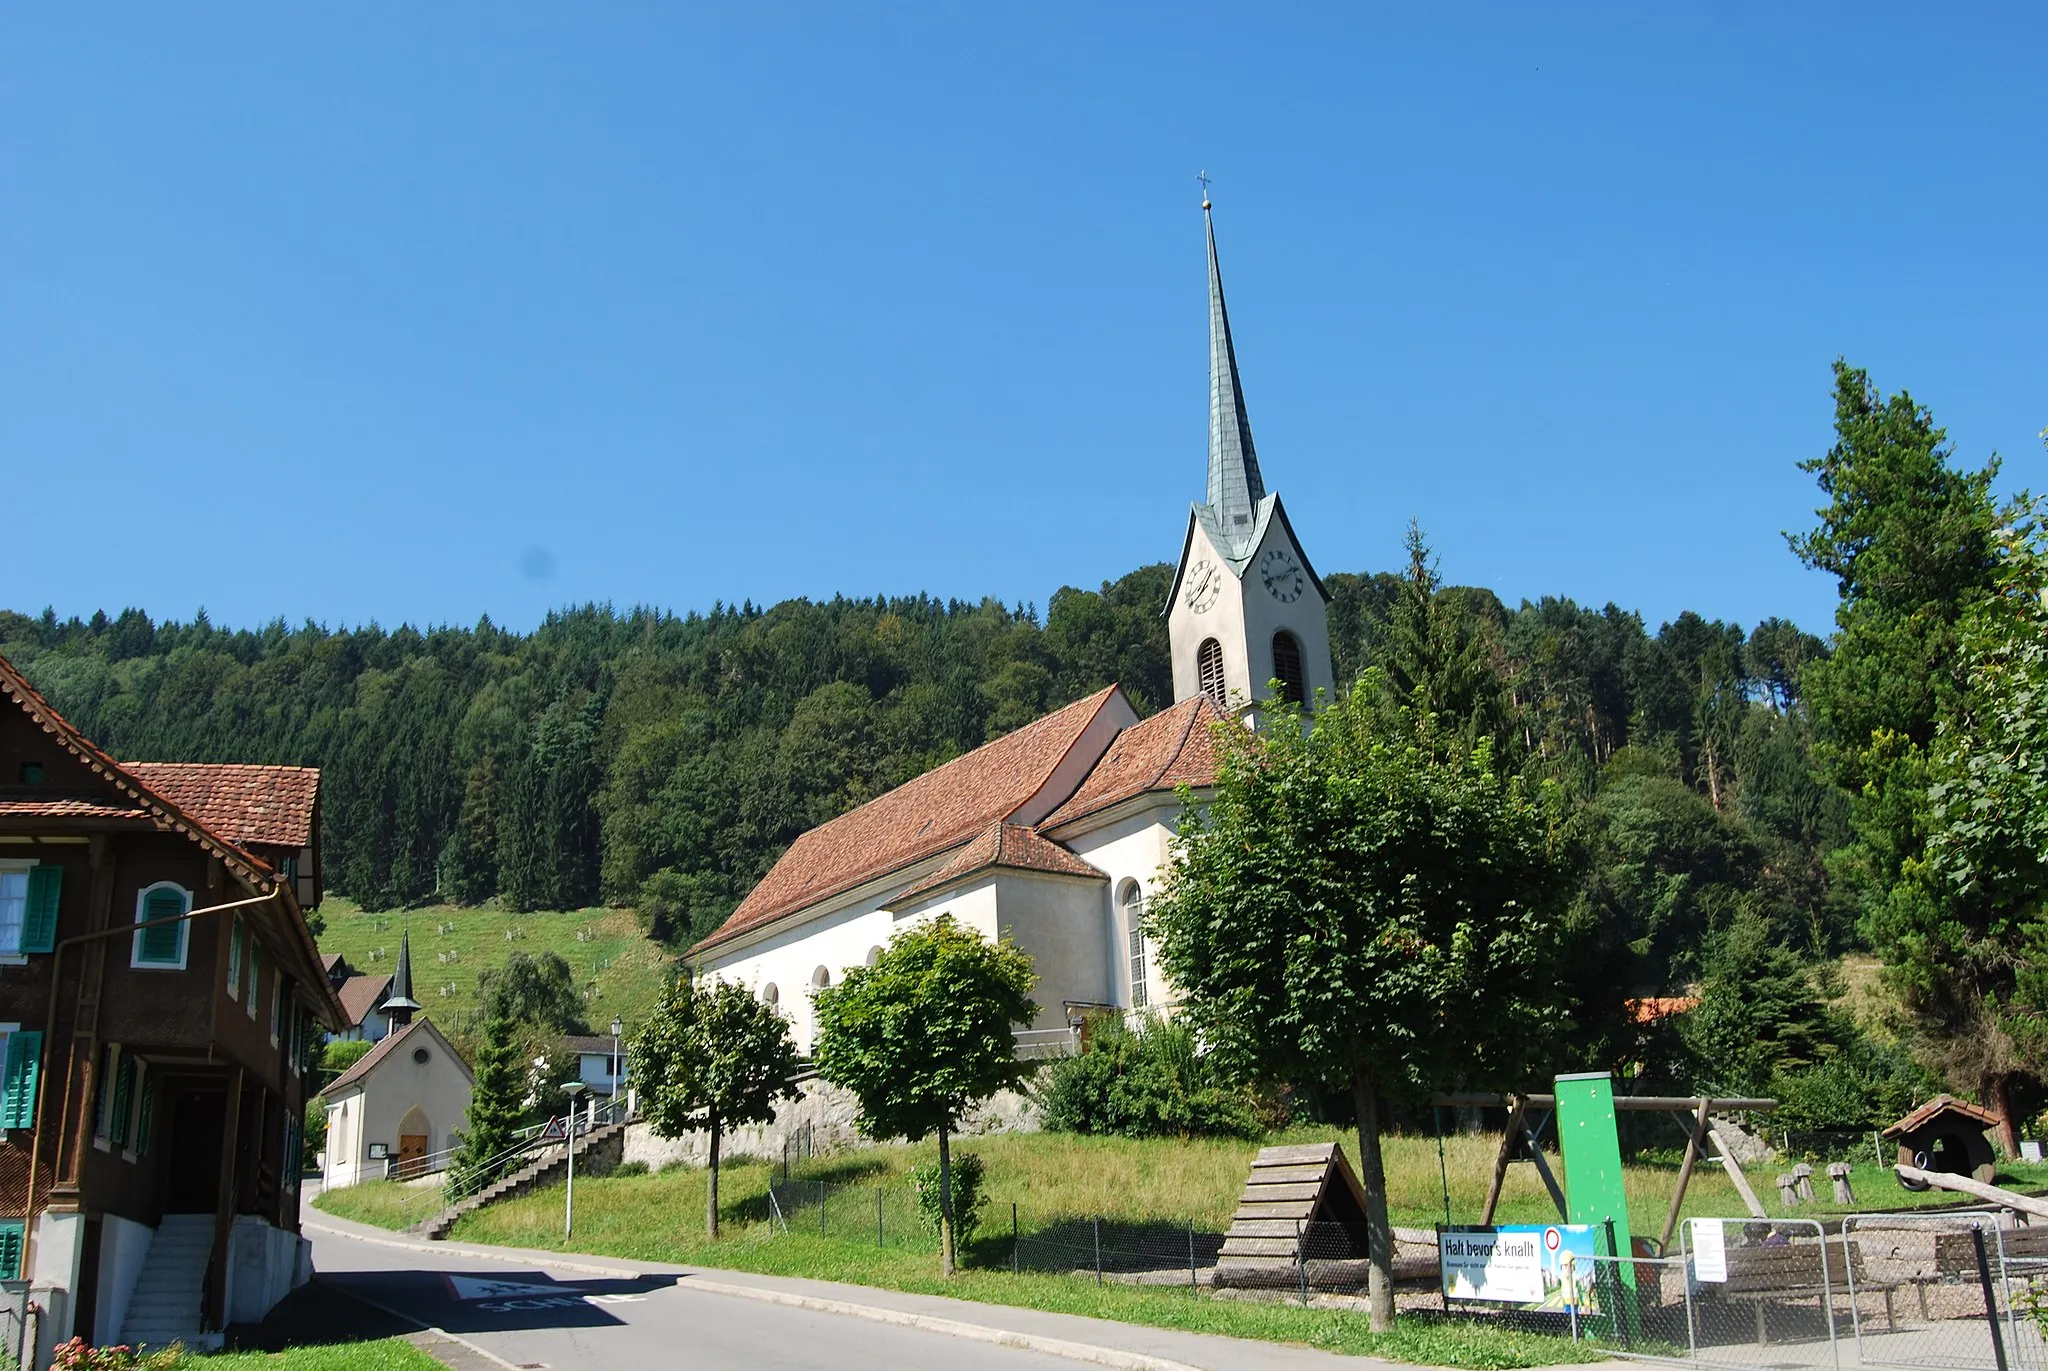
[(1055, 835)]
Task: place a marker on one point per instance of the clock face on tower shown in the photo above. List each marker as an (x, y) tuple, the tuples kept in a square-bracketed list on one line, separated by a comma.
[(1283, 575), (1204, 581)]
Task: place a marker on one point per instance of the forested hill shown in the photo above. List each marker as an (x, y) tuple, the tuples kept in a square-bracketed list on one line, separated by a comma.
[(661, 761)]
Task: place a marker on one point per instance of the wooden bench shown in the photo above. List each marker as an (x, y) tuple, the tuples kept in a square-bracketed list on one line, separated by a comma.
[(1955, 1254), (1798, 1270)]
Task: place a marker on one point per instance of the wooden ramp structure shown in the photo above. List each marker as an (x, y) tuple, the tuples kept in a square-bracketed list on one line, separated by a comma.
[(1302, 1206)]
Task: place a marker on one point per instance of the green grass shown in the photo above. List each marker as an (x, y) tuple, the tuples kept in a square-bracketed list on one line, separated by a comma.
[(1148, 1189), (621, 972), (387, 1354)]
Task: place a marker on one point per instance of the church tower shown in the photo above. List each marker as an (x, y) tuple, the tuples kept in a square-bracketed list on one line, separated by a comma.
[(1247, 608)]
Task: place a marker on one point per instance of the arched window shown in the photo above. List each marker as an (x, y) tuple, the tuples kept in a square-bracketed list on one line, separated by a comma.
[(820, 979), (770, 995), (1132, 901), (163, 948), (1287, 667), (874, 956), (1209, 672)]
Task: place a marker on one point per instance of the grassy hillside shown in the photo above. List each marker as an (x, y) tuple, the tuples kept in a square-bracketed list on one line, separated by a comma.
[(619, 970)]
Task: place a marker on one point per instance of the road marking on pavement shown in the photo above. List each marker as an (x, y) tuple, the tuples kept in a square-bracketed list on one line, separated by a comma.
[(482, 1288)]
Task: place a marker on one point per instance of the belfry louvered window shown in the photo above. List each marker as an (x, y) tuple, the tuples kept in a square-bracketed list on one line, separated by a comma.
[(1209, 671), (1287, 667)]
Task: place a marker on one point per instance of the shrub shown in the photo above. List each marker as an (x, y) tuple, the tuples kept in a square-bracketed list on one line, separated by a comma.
[(630, 1169), (1152, 1081), (77, 1356), (967, 1197)]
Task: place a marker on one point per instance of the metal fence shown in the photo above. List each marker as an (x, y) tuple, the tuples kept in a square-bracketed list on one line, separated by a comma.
[(1945, 1290), (1167, 1252), (1954, 1290)]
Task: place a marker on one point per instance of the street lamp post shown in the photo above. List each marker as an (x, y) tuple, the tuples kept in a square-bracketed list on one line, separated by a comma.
[(618, 1031), (574, 1090)]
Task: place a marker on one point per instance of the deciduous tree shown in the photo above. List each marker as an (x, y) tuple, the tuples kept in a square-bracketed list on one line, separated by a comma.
[(924, 1035), (1367, 906), (712, 1057)]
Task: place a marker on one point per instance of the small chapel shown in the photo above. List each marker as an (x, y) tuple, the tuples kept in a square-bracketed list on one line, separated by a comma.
[(1054, 835)]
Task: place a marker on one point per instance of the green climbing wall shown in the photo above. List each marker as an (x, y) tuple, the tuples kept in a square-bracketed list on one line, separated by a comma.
[(1591, 1148)]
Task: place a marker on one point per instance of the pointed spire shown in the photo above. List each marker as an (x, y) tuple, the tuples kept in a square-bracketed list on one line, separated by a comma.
[(399, 1005), (1235, 486)]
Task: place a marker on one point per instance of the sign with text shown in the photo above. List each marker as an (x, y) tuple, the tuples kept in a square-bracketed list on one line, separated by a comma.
[(1529, 1265), (1709, 1250)]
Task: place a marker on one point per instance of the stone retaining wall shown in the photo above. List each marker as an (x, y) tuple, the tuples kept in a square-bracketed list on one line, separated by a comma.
[(826, 1112)]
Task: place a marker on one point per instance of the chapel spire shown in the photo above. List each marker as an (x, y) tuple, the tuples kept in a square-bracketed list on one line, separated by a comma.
[(399, 1006), (1235, 486)]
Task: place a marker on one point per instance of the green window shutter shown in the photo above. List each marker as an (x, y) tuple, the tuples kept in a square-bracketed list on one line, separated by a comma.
[(145, 1116), (124, 1097), (18, 1098), (255, 971), (10, 1250), (235, 959), (39, 929), (163, 945)]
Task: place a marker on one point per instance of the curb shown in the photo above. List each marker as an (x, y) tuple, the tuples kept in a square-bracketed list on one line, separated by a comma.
[(1114, 1357)]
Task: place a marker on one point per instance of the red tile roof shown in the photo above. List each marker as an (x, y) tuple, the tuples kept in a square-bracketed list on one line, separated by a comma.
[(71, 809), (917, 820), (250, 804), (1011, 846), (359, 995), (1172, 747), (1650, 1009)]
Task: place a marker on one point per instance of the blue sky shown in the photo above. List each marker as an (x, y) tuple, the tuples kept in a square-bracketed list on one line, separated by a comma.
[(424, 312)]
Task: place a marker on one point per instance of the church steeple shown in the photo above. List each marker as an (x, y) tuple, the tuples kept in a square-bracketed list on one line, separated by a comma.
[(399, 1006), (1247, 619), (1235, 486)]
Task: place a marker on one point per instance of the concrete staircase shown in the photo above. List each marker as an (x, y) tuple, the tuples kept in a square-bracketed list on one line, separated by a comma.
[(165, 1307), (600, 1150)]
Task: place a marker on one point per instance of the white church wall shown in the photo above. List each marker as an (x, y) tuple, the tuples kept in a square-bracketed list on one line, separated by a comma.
[(1133, 847), (1057, 921), (789, 958)]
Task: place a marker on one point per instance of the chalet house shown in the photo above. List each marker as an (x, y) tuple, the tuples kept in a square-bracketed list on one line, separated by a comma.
[(160, 1000), (600, 1063), (362, 997)]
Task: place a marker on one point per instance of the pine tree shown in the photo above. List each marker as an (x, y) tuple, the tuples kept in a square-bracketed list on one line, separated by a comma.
[(487, 1132)]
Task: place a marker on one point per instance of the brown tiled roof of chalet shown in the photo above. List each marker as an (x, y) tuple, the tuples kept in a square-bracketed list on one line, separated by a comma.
[(164, 813), (71, 809), (916, 820), (250, 804), (359, 995), (1012, 846), (1171, 747)]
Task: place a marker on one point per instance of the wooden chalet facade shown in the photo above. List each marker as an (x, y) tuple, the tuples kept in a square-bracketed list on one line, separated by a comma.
[(157, 1055)]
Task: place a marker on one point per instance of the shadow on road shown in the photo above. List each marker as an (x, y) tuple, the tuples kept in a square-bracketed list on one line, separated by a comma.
[(355, 1306)]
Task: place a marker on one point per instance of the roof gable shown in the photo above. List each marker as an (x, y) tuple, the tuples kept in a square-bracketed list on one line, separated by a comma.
[(1172, 748), (1009, 846), (356, 1076), (923, 817)]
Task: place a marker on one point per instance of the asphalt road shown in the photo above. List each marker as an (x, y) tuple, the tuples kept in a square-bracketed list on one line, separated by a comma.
[(533, 1317)]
